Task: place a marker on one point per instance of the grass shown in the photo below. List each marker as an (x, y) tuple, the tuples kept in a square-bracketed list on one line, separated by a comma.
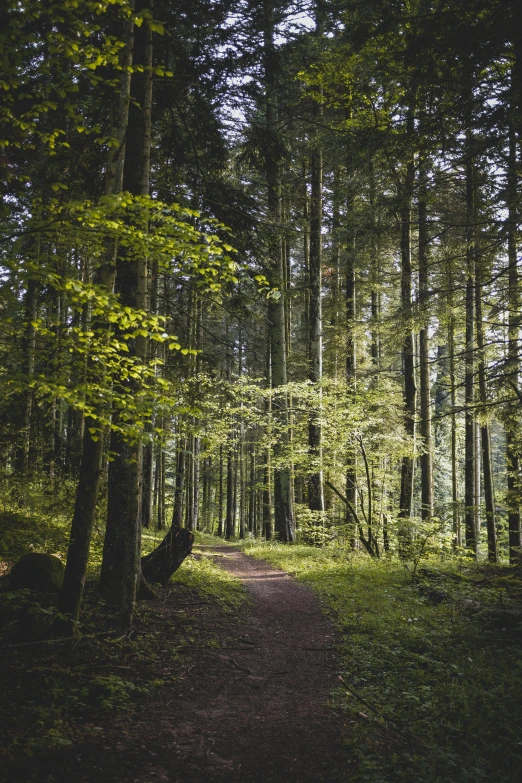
[(430, 695)]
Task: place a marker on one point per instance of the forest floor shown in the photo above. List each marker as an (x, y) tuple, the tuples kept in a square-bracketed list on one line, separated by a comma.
[(230, 695), (296, 664)]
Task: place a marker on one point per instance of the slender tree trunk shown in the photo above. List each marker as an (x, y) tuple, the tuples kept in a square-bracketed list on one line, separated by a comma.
[(160, 470), (28, 348), (457, 532), (120, 571), (268, 522), (283, 511), (408, 354), (252, 492), (351, 346), (485, 439), (221, 495), (315, 478), (230, 518), (469, 457), (376, 276), (513, 358), (149, 450), (336, 262), (207, 469), (426, 460), (306, 259), (179, 485), (148, 487), (189, 486)]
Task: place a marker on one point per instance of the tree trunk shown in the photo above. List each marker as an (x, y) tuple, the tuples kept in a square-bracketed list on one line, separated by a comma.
[(376, 276), (189, 485), (230, 521), (351, 351), (179, 484), (409, 393), (159, 565), (121, 552), (485, 439), (469, 458), (315, 478), (513, 358), (457, 532), (69, 599), (29, 346), (336, 262), (426, 460), (221, 495), (148, 487), (283, 511)]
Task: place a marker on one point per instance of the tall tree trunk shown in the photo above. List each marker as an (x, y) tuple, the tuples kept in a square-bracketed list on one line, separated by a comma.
[(283, 511), (302, 481), (426, 460), (221, 495), (148, 487), (485, 439), (69, 599), (230, 518), (149, 450), (351, 350), (161, 521), (513, 358), (315, 373), (336, 263), (179, 482), (252, 522), (207, 484), (28, 349), (457, 532), (409, 392), (268, 522), (376, 275), (120, 571), (469, 447)]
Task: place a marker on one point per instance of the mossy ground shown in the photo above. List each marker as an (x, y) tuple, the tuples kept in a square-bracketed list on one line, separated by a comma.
[(431, 695)]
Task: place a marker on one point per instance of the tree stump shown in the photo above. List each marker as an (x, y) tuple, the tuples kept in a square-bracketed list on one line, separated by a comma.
[(160, 564)]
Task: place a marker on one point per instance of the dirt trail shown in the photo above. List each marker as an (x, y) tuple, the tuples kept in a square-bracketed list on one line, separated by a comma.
[(273, 713), (252, 710)]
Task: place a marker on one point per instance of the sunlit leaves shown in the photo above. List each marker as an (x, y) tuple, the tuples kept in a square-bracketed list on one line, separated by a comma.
[(104, 374)]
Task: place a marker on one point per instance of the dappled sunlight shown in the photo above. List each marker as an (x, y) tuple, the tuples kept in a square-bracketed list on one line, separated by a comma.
[(248, 576)]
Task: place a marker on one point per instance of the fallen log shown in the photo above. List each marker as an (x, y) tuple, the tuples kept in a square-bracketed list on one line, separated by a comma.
[(162, 562)]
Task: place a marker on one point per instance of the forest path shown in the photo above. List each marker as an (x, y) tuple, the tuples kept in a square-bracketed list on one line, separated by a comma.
[(249, 704), (272, 706)]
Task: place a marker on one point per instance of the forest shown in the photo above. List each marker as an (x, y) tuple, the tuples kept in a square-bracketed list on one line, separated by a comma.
[(260, 303)]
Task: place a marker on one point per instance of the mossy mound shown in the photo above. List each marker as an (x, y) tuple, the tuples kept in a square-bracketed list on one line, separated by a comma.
[(37, 571)]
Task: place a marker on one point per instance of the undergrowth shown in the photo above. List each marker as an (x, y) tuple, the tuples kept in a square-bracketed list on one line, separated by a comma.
[(430, 694), (55, 694)]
